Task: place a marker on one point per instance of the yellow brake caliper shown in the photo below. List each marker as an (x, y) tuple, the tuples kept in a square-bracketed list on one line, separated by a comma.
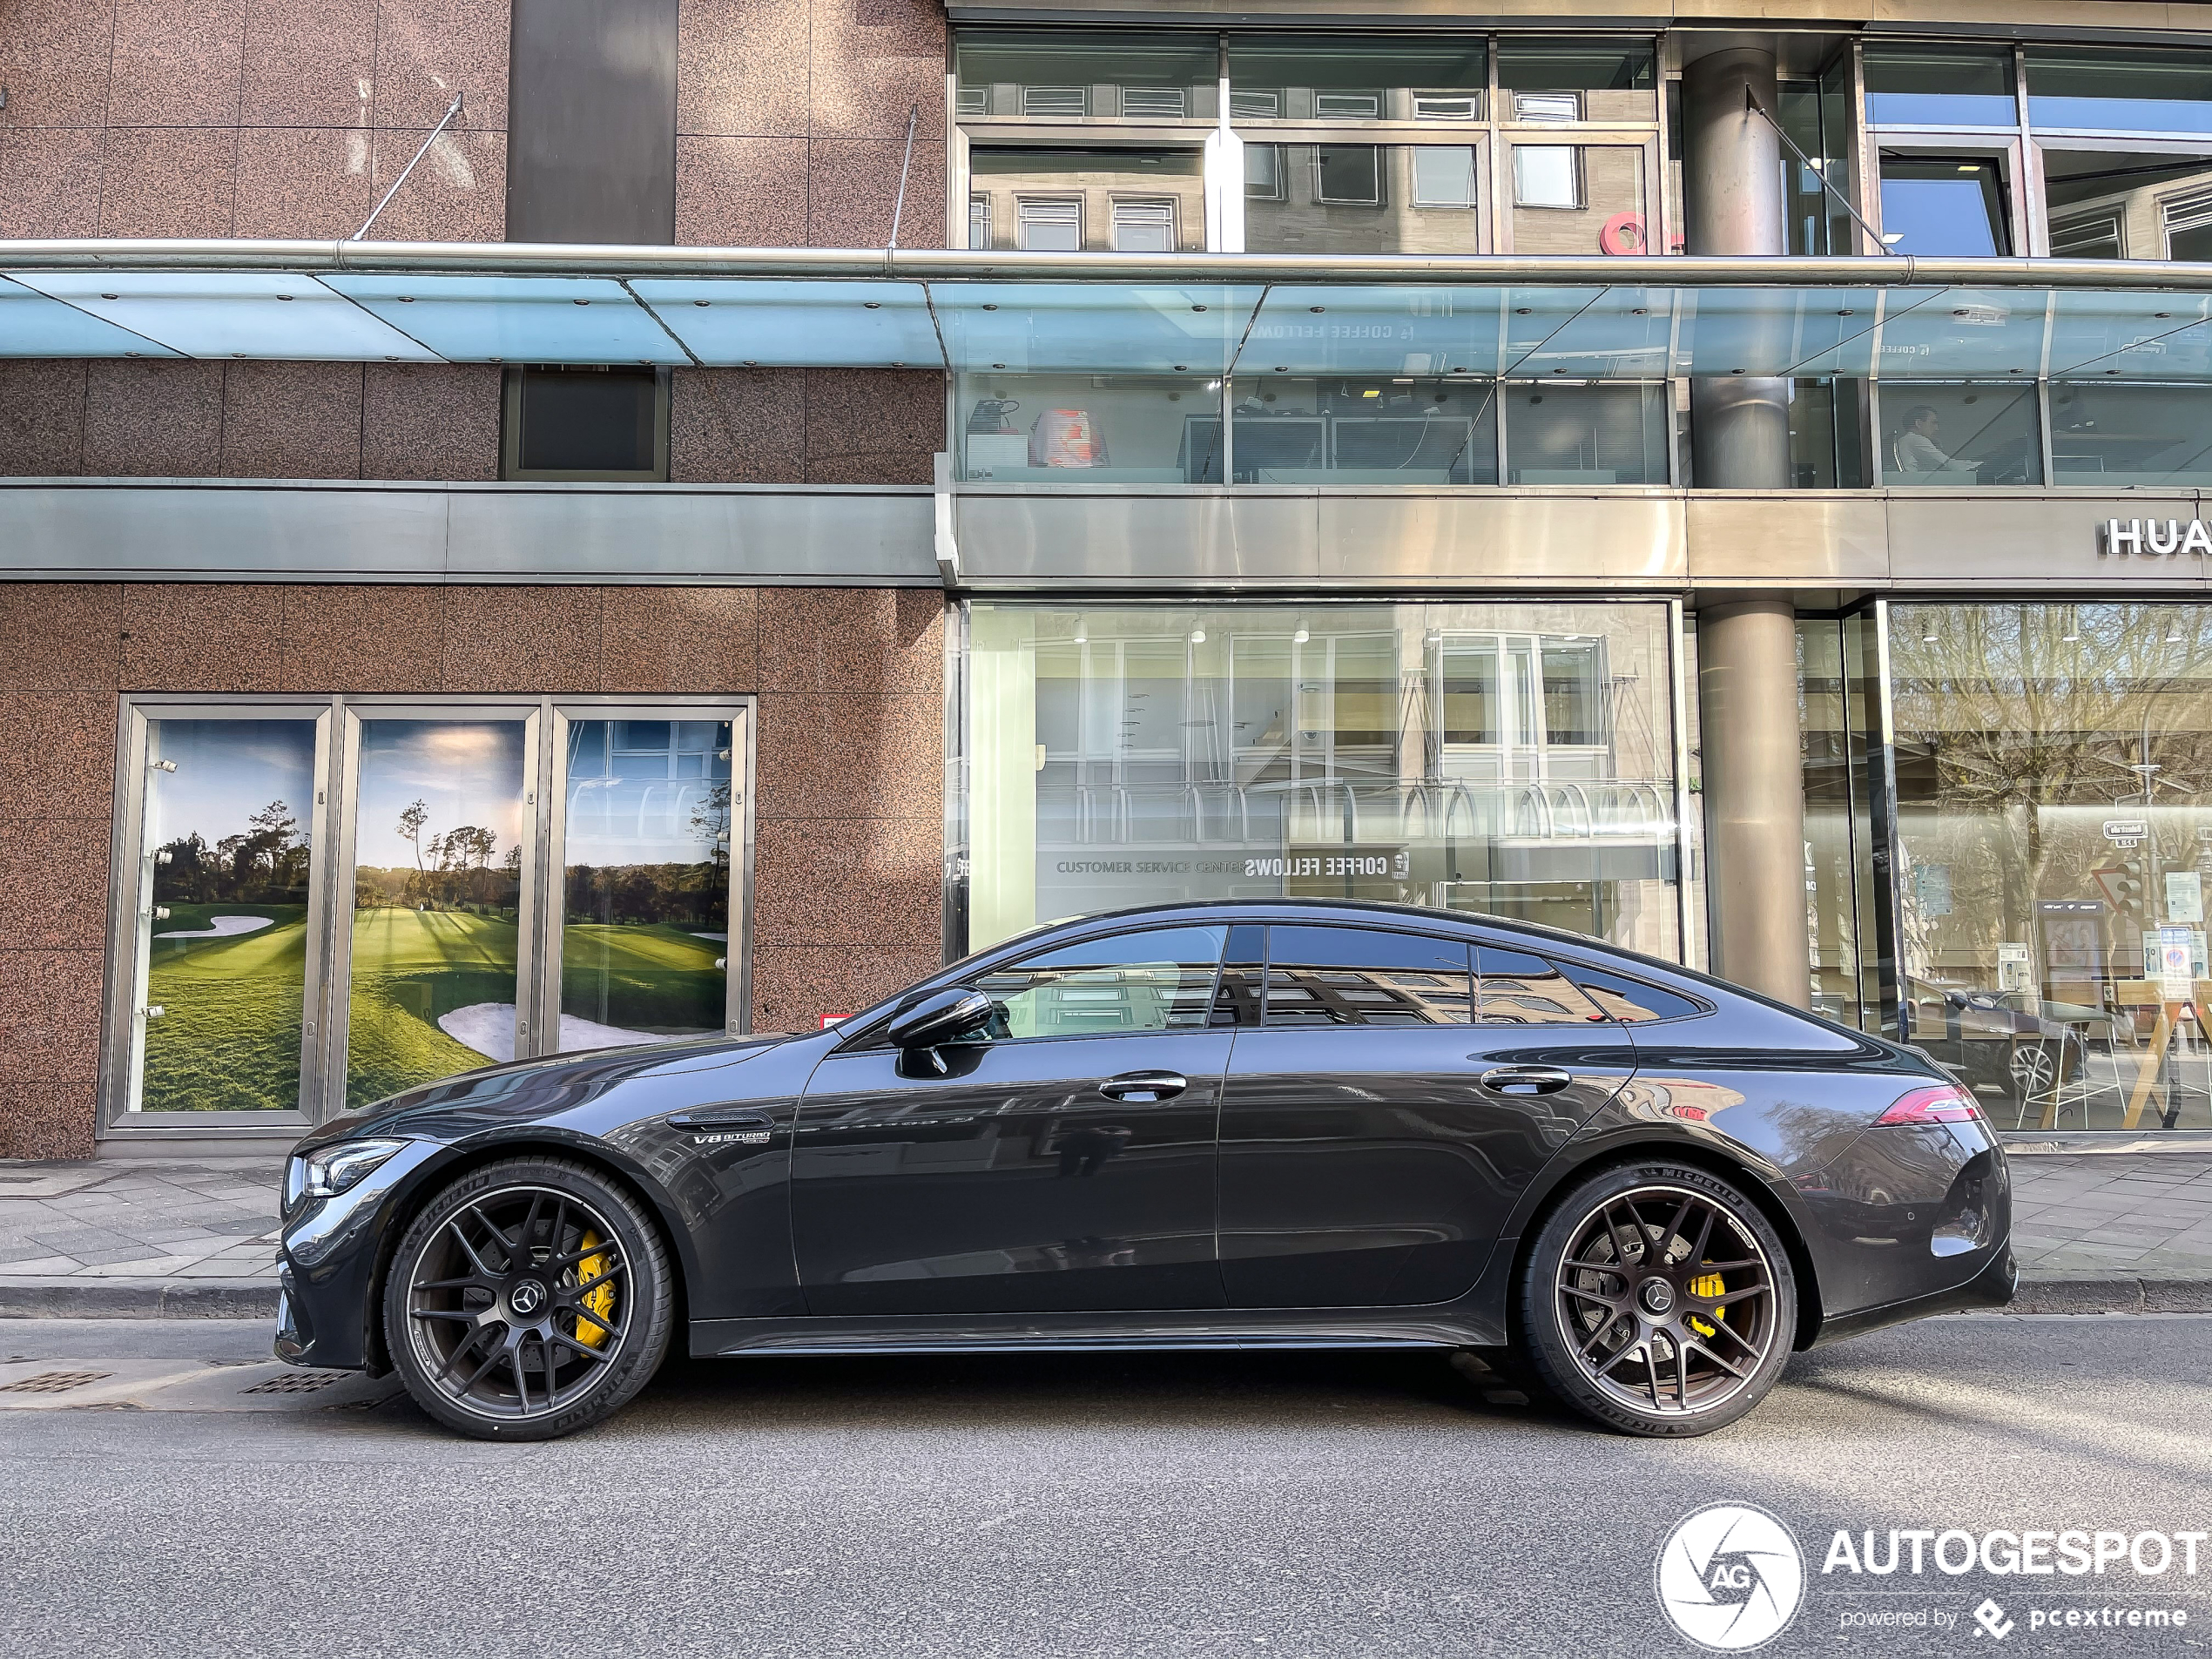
[(600, 1301), (1706, 1285)]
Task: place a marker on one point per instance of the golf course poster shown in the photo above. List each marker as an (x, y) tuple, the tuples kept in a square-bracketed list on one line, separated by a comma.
[(227, 805), (645, 881), (439, 819)]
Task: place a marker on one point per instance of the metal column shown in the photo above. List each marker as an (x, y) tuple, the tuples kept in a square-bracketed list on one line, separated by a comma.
[(1733, 204), (1755, 807)]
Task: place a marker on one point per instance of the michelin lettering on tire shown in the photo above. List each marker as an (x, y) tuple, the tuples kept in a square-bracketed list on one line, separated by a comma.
[(1731, 1577)]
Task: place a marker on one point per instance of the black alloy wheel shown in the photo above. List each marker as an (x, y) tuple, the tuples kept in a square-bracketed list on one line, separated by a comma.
[(527, 1300), (1659, 1300)]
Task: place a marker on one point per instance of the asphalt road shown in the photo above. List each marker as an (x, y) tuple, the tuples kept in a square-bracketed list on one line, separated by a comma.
[(1169, 1505)]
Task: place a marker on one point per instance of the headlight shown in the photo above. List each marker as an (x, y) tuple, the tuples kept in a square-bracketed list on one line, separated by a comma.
[(330, 1170)]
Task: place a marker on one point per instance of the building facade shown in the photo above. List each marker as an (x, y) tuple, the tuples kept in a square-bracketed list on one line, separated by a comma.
[(530, 524)]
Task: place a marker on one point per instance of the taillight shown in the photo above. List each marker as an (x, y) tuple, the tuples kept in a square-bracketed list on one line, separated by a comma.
[(1937, 1104)]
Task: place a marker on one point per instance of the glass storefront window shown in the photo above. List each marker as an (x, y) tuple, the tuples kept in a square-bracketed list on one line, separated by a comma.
[(1940, 86), (2165, 89), (437, 882), (1095, 200), (2053, 767), (1578, 79), (242, 986), (1591, 433), (1517, 760), (1949, 434), (2112, 435), (1363, 198), (647, 819), (1945, 205), (1099, 76), (1090, 429), (225, 913), (1296, 430), (1578, 199), (2128, 205), (1335, 78)]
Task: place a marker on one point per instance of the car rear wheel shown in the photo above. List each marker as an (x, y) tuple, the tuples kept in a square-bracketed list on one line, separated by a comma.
[(1658, 1300), (528, 1299)]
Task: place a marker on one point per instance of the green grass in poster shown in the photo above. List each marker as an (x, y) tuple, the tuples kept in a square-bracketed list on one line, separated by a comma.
[(228, 1037), (410, 967), (642, 976)]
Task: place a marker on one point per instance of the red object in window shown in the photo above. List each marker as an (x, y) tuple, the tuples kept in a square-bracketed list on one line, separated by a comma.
[(1623, 233), (829, 1019), (1067, 438), (1938, 1103)]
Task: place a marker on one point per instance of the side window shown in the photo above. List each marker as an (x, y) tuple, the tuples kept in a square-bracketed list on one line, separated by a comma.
[(1517, 988), (1365, 977), (1159, 979), (1631, 1000)]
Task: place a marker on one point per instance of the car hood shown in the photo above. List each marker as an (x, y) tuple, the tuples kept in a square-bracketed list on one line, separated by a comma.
[(536, 1086)]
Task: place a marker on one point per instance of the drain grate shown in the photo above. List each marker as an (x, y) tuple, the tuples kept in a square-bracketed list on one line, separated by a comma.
[(296, 1382), (53, 1382)]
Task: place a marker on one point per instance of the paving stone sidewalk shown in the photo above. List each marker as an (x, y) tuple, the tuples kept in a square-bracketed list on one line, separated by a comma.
[(2089, 1220), (214, 1219)]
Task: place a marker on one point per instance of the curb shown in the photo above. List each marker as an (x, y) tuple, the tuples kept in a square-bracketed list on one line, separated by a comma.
[(2099, 1295), (256, 1299), (137, 1298)]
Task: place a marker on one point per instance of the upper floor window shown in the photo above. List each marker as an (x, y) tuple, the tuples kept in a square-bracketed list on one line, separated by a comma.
[(595, 423), (1335, 77), (1917, 86), (1075, 76), (2160, 91)]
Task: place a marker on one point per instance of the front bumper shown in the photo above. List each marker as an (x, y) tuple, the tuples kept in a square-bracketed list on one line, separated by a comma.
[(326, 1276)]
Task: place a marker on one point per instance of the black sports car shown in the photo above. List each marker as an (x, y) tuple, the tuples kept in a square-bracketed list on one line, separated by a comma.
[(1260, 1125)]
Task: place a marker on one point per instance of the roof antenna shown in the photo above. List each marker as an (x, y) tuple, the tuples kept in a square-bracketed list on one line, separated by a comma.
[(914, 114), (409, 168)]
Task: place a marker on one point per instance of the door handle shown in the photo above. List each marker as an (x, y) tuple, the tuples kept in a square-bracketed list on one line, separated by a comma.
[(1525, 1080), (1144, 1086), (711, 1119)]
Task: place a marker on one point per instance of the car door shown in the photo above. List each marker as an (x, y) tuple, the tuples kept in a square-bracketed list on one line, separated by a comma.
[(1380, 1117), (1062, 1162)]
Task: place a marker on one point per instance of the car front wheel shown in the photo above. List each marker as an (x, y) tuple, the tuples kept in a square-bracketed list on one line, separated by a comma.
[(528, 1299), (1658, 1300)]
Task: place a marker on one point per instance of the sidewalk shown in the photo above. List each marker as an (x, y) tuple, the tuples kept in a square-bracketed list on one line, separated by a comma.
[(2093, 1232)]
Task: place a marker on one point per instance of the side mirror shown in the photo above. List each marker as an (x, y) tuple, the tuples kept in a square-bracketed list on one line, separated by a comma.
[(941, 1016)]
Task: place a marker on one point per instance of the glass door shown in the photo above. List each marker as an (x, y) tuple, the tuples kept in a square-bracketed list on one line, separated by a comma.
[(649, 818), (224, 817), (442, 844)]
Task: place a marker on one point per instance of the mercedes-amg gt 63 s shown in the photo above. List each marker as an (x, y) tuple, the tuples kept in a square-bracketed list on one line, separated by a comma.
[(1226, 1125)]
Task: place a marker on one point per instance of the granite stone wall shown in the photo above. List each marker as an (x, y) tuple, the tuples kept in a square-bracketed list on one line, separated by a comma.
[(251, 118), (849, 772)]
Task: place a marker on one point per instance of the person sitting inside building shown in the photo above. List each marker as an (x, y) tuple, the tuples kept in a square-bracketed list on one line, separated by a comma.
[(1914, 449)]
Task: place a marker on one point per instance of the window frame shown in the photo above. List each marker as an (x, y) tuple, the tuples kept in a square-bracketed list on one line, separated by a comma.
[(510, 429), (334, 837)]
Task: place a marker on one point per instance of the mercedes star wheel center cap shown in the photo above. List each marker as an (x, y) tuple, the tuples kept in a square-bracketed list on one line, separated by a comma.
[(527, 1297), (1658, 1295)]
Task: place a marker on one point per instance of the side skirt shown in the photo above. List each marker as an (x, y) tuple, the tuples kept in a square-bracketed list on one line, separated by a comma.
[(1075, 1334)]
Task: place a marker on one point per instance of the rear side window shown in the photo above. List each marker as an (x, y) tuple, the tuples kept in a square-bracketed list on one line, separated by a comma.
[(1516, 989), (1365, 977), (1631, 1000)]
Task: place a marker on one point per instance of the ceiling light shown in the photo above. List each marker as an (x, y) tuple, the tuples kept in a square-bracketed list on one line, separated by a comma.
[(1197, 636)]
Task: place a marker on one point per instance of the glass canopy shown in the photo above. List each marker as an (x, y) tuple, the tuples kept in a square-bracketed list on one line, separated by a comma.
[(1588, 331)]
